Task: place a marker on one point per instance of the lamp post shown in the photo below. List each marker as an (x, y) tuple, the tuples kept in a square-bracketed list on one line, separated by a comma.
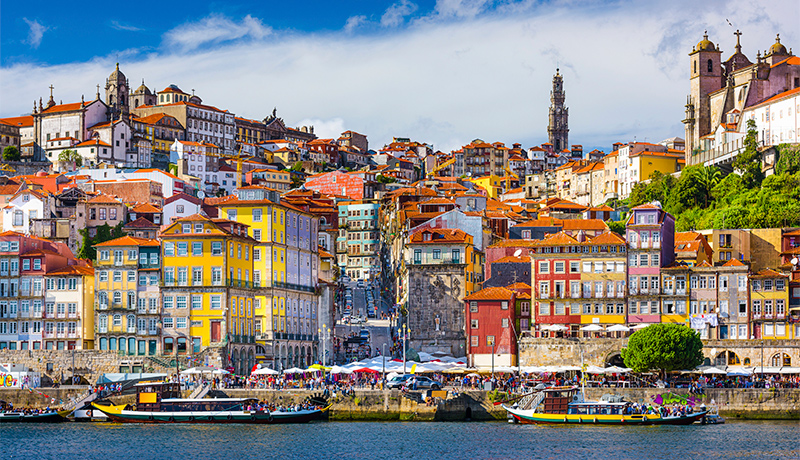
[(324, 335), (405, 332), (383, 371)]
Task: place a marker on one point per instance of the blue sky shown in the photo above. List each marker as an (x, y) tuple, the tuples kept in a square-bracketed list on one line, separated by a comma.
[(439, 71)]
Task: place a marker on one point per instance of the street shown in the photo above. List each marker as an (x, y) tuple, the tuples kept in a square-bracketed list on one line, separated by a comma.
[(379, 329)]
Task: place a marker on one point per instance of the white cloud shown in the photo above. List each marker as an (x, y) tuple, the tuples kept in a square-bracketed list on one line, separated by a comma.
[(625, 73), (325, 129), (353, 22), (461, 8), (395, 14), (215, 29), (120, 26), (35, 33)]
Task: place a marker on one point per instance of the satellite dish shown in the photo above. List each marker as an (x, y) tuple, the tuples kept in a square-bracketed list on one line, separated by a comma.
[(518, 253), (794, 260), (201, 194)]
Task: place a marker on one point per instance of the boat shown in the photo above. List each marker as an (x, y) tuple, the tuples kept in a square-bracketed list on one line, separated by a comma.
[(86, 413), (160, 402), (566, 405), (46, 417)]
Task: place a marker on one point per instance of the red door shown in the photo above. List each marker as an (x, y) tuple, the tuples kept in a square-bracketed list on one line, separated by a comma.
[(216, 331)]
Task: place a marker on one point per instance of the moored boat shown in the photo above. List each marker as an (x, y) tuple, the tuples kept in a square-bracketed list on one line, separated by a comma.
[(566, 405), (46, 417), (160, 402)]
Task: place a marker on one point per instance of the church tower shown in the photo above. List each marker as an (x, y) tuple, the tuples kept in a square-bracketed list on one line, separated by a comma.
[(117, 90), (558, 124), (705, 77)]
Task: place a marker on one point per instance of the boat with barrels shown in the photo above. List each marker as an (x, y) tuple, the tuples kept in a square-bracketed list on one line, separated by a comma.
[(566, 405), (161, 402)]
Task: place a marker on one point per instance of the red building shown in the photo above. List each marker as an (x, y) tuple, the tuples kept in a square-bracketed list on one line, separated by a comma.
[(328, 149), (490, 320), (553, 270), (340, 183)]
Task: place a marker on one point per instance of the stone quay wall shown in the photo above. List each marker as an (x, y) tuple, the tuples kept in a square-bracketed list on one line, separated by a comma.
[(598, 351), (377, 405)]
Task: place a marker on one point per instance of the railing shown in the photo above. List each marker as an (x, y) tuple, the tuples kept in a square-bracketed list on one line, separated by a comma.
[(430, 260), (239, 283), (296, 287)]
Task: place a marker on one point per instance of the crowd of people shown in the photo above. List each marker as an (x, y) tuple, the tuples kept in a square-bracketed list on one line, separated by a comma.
[(262, 405)]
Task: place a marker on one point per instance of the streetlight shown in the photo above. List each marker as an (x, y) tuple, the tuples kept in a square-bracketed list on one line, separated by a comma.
[(324, 334), (383, 371), (405, 333), (490, 339)]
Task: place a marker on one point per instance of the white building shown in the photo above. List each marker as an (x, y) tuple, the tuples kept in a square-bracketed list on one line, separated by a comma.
[(777, 119), (181, 205), (67, 120), (22, 207), (197, 159), (170, 184)]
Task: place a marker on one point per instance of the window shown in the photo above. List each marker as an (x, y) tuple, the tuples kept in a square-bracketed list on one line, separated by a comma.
[(504, 322), (216, 248), (197, 276), (169, 249), (168, 322), (256, 215), (574, 267), (473, 307), (544, 267), (183, 249), (257, 234), (587, 267), (197, 302), (474, 340), (216, 302), (643, 259), (437, 254), (559, 266), (197, 248)]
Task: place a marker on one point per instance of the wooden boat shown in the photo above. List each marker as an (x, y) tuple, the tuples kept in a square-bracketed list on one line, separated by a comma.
[(566, 405), (48, 417), (160, 402)]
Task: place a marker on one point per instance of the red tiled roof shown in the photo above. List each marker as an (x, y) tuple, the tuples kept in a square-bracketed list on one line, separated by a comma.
[(492, 293), (22, 122), (146, 208), (129, 241), (512, 260), (439, 235), (72, 270)]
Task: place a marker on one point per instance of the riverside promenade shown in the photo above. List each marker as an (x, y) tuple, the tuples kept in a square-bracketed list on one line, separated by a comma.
[(378, 405)]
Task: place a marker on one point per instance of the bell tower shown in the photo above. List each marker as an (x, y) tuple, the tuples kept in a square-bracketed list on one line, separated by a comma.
[(117, 91), (705, 77), (558, 120)]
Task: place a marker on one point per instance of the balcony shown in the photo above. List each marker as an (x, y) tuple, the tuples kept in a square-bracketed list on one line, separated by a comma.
[(620, 295), (633, 291), (575, 295), (239, 283), (633, 244), (445, 260), (680, 292), (295, 287), (644, 244), (656, 245)]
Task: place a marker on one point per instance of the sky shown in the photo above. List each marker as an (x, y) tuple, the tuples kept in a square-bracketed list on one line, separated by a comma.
[(443, 72)]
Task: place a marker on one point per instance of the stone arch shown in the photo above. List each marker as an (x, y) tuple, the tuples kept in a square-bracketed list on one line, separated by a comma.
[(296, 362), (289, 357), (303, 356), (614, 359)]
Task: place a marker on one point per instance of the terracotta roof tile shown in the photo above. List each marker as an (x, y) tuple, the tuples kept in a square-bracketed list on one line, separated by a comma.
[(492, 293), (128, 241)]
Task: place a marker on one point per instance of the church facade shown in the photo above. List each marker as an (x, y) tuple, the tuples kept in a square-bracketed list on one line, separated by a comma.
[(722, 91)]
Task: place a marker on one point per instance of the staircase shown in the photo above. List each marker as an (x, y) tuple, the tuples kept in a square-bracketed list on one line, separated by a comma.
[(79, 401), (531, 401), (200, 392)]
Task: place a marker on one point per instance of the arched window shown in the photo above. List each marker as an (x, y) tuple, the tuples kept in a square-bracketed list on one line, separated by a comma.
[(747, 361), (781, 359), (710, 66)]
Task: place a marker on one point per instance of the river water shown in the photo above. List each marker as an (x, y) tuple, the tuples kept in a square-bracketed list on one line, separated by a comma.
[(399, 440)]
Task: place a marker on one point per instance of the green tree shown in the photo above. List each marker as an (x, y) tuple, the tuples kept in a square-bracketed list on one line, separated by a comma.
[(708, 177), (386, 179), (11, 153), (665, 347), (788, 159), (71, 156), (103, 233), (688, 192), (297, 167), (748, 162), (617, 227)]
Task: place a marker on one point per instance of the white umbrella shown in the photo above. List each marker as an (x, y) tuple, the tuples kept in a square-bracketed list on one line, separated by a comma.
[(192, 371), (220, 372), (555, 327), (294, 370), (265, 371), (617, 370), (790, 370), (595, 370), (640, 326), (592, 328), (739, 372), (713, 370), (618, 328)]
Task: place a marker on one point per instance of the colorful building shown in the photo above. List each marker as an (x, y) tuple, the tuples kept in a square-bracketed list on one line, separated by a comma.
[(127, 297), (769, 298), (208, 289)]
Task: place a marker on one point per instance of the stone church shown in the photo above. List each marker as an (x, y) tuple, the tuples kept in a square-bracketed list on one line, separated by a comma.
[(721, 90)]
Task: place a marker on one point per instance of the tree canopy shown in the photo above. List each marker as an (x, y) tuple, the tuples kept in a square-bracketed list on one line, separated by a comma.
[(71, 156), (748, 162), (104, 233), (665, 346), (11, 153)]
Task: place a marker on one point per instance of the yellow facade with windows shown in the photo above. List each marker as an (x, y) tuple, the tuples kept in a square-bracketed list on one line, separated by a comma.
[(769, 303), (207, 286)]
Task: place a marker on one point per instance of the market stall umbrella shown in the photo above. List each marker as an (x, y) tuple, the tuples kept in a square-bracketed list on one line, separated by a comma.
[(294, 370), (220, 372), (595, 370), (264, 371), (592, 328), (617, 370), (618, 328), (739, 372), (366, 369), (198, 370), (790, 370), (713, 371), (640, 326), (555, 328)]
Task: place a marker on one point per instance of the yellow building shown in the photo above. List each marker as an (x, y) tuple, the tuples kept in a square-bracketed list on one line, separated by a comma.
[(71, 290), (122, 323), (286, 275), (769, 299), (492, 184), (207, 288)]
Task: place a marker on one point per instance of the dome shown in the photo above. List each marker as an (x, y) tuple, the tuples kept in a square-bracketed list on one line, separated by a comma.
[(117, 76), (777, 48), (705, 44), (143, 89)]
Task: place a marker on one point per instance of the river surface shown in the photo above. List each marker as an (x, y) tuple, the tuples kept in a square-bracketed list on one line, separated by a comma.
[(399, 441)]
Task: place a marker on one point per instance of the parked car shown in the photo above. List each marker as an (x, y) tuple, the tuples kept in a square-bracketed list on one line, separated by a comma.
[(356, 320), (423, 383), (364, 334), (360, 283)]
